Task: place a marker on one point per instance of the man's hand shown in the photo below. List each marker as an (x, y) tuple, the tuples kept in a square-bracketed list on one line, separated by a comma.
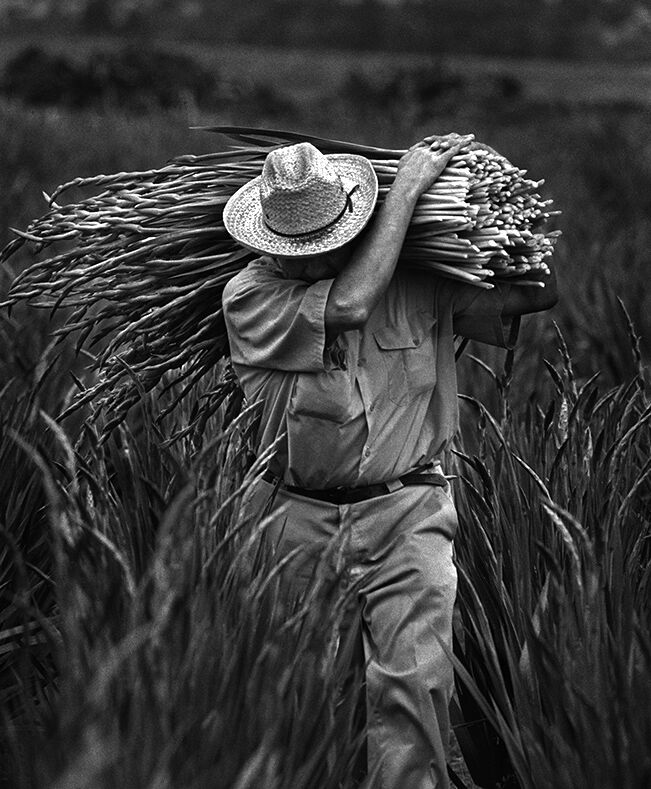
[(424, 162), (358, 287)]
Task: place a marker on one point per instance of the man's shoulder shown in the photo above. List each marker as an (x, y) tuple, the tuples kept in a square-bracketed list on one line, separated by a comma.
[(258, 271), (416, 288)]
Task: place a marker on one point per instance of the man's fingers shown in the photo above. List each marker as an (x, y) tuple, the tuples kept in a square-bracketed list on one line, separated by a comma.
[(420, 144), (459, 146), (444, 146), (437, 140), (456, 140), (450, 148)]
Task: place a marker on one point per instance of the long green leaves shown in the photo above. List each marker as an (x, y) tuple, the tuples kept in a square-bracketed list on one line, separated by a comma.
[(141, 264), (555, 590), (177, 656)]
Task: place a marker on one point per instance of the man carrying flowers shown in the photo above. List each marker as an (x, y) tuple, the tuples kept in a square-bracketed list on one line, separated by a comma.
[(351, 358)]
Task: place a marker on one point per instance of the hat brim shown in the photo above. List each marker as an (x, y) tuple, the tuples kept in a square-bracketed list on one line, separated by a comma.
[(244, 220)]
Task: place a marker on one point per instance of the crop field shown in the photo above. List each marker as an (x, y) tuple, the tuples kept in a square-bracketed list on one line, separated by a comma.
[(144, 637), (307, 75)]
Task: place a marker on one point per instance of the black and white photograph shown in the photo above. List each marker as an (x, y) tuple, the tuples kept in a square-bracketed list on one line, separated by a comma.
[(325, 394)]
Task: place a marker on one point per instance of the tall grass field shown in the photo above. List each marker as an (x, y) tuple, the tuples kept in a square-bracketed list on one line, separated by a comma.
[(145, 639)]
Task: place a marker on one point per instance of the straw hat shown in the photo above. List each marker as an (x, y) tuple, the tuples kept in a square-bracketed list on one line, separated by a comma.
[(304, 203)]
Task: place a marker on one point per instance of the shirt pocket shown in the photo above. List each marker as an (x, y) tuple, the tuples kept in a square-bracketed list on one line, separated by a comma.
[(409, 355)]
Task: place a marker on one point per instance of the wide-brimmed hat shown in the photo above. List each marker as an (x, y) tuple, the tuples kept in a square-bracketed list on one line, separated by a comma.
[(304, 203)]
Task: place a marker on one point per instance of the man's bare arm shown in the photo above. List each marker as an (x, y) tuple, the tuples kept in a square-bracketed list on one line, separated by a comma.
[(358, 287)]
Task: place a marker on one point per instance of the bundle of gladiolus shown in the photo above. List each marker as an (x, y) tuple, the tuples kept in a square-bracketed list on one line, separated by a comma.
[(142, 262)]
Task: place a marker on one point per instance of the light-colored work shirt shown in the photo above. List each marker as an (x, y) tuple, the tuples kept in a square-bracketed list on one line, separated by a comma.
[(378, 402)]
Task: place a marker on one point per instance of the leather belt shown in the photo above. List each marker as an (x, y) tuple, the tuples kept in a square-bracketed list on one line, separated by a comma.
[(343, 495)]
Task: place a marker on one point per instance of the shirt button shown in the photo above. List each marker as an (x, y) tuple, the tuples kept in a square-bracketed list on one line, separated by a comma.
[(367, 453), (372, 407)]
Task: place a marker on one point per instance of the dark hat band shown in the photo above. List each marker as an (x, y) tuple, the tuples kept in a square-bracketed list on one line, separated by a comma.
[(348, 206)]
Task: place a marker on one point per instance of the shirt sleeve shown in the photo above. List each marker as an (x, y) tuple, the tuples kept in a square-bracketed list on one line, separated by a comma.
[(477, 313), (274, 322)]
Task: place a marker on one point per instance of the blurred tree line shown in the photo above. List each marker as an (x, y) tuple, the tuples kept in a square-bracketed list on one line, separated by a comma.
[(542, 28)]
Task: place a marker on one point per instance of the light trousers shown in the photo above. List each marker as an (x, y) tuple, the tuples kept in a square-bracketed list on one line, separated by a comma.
[(398, 549)]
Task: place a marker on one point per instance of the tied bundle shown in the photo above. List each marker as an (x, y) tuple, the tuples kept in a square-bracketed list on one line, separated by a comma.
[(482, 221), (141, 264)]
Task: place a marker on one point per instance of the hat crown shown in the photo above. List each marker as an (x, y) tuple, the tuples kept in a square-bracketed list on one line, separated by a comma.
[(300, 190)]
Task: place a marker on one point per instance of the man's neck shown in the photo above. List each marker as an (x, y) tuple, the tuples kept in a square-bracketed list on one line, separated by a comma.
[(315, 267)]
